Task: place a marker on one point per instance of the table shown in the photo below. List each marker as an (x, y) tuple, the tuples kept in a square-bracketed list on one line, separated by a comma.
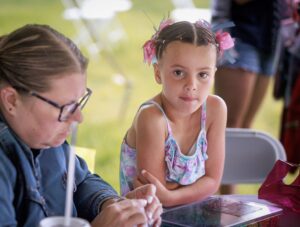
[(286, 218), (230, 210)]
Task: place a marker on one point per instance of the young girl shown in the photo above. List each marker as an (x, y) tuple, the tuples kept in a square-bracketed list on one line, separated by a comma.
[(177, 138)]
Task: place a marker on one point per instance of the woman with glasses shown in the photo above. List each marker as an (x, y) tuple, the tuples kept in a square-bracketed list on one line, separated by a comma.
[(42, 92)]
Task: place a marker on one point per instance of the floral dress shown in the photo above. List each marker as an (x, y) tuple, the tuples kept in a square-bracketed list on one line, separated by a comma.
[(182, 169)]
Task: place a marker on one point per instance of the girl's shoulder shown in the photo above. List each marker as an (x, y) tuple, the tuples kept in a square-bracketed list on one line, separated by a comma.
[(216, 109), (150, 112), (149, 119), (216, 104)]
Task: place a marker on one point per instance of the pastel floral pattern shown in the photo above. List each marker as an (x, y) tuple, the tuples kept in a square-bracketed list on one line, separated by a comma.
[(182, 169)]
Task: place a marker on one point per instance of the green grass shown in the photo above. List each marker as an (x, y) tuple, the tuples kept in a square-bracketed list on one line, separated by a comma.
[(103, 128)]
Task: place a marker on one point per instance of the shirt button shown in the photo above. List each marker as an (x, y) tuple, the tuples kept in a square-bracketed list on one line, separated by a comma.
[(43, 201)]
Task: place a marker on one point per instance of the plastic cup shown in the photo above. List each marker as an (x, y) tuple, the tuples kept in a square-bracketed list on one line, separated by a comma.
[(57, 221)]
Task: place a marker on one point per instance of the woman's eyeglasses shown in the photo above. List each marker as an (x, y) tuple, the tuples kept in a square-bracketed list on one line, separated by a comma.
[(65, 110)]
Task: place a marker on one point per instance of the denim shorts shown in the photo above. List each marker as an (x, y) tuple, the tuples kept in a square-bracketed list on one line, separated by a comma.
[(251, 59)]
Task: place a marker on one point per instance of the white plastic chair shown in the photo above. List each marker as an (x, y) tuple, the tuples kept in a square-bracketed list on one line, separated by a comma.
[(250, 155), (185, 10)]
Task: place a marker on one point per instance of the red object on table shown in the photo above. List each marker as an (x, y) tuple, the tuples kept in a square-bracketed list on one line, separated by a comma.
[(276, 191)]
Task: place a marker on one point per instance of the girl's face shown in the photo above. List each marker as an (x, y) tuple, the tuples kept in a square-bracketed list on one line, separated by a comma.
[(186, 73), (36, 121)]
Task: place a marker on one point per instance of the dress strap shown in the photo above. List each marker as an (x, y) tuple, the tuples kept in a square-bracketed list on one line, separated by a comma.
[(152, 102), (203, 116)]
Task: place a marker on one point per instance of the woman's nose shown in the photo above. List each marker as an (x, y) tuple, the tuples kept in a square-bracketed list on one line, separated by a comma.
[(77, 115)]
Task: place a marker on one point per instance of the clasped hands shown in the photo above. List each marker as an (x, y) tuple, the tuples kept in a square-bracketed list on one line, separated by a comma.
[(140, 207)]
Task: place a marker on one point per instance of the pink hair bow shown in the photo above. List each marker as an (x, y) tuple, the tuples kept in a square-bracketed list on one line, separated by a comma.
[(149, 51), (225, 40), (149, 46)]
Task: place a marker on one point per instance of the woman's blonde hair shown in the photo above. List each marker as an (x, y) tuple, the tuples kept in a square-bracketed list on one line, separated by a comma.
[(33, 55)]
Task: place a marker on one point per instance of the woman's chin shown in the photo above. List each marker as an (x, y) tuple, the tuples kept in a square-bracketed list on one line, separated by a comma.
[(56, 143)]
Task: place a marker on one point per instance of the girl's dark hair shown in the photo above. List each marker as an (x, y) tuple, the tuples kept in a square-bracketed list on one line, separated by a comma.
[(31, 56), (185, 32)]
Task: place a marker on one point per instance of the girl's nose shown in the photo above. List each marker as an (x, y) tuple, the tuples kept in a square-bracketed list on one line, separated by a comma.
[(190, 84)]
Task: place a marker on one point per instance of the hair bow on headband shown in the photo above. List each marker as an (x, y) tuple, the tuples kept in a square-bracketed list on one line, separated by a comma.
[(224, 40), (149, 46), (149, 51)]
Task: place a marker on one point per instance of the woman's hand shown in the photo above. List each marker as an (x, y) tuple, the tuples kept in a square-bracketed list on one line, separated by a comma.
[(140, 208), (127, 212), (153, 207)]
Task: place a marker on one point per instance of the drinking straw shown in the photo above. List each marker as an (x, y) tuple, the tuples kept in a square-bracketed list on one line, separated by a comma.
[(70, 178)]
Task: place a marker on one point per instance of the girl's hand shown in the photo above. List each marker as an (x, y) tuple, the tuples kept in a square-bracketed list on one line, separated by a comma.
[(153, 207), (161, 191), (141, 180)]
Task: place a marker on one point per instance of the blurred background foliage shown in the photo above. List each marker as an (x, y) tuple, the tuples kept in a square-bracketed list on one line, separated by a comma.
[(105, 122)]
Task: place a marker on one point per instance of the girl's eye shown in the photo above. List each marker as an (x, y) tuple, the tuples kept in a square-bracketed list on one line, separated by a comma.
[(178, 73), (203, 75)]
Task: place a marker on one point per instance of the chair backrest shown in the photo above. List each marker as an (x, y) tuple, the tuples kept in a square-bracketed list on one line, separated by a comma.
[(250, 155)]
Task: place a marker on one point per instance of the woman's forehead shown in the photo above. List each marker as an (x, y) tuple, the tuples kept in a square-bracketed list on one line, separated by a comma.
[(72, 83)]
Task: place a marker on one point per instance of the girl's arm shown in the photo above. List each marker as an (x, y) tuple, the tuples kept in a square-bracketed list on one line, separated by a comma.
[(151, 131), (210, 182)]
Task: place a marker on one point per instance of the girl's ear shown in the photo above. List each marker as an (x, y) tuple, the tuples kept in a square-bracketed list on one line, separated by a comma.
[(8, 96), (215, 70), (157, 73)]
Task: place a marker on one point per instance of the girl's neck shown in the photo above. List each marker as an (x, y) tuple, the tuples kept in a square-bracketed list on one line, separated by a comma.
[(173, 115)]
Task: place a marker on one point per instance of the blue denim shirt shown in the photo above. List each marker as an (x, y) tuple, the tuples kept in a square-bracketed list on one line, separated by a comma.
[(32, 188)]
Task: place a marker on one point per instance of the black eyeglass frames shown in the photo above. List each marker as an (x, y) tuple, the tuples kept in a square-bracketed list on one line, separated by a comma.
[(66, 110)]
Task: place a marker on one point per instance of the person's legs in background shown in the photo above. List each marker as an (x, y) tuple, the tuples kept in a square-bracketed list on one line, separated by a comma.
[(259, 91), (235, 86), (243, 93), (243, 89)]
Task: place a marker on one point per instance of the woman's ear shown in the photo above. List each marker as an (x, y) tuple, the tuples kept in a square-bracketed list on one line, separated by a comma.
[(157, 73), (8, 96)]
